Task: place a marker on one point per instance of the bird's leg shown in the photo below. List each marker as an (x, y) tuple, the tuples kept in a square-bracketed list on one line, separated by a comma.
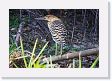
[(61, 50), (56, 50)]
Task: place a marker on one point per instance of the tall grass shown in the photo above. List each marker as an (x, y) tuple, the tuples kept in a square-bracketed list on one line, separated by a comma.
[(80, 62), (34, 62), (24, 59), (39, 53), (33, 53)]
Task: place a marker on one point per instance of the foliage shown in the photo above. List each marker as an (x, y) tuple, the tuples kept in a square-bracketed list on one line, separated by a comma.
[(34, 62), (13, 22)]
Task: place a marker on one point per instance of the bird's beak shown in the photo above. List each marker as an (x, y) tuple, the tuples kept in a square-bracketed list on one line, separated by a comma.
[(41, 18)]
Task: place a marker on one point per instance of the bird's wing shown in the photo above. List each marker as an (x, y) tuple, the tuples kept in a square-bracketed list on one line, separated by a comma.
[(59, 31)]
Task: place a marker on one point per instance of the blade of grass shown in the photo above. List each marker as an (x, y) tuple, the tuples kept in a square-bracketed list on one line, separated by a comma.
[(24, 59), (80, 63), (12, 50), (47, 61), (37, 63), (73, 63), (51, 61), (32, 53), (94, 63), (15, 65), (39, 53)]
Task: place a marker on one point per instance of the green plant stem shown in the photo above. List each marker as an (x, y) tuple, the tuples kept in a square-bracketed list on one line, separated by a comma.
[(15, 65), (23, 52), (33, 53), (95, 62), (39, 53), (80, 64)]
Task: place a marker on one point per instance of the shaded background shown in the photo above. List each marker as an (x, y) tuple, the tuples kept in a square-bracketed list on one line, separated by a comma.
[(82, 26)]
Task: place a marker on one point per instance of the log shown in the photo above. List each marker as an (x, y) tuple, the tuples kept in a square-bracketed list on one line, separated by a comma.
[(94, 51)]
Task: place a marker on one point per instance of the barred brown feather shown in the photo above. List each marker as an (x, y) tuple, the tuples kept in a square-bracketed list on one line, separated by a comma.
[(57, 29)]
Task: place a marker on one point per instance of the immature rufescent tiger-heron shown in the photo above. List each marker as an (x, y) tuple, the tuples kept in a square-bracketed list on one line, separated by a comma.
[(57, 30)]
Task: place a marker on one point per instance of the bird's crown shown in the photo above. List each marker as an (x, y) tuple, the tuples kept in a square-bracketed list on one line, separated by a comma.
[(51, 18)]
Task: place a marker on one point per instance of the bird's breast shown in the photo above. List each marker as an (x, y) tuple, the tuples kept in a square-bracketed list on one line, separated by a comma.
[(58, 31)]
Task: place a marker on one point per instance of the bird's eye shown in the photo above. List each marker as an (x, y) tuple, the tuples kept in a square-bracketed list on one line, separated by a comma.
[(44, 18)]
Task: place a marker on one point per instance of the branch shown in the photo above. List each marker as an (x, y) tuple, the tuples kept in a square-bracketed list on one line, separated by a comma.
[(94, 51)]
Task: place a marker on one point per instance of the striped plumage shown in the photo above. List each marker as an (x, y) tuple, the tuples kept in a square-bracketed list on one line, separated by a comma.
[(57, 29)]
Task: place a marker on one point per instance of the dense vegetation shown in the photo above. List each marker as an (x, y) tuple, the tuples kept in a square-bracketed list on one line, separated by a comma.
[(35, 42)]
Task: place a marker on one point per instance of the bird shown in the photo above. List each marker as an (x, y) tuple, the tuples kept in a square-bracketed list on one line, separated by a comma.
[(57, 29)]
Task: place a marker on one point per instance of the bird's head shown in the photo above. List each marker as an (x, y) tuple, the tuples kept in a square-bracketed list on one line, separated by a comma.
[(49, 18)]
